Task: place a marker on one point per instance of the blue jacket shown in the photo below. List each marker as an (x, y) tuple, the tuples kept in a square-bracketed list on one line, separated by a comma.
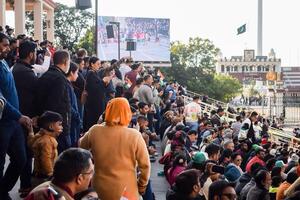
[(9, 92)]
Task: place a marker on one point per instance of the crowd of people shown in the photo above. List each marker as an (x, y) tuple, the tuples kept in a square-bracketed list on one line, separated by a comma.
[(92, 129)]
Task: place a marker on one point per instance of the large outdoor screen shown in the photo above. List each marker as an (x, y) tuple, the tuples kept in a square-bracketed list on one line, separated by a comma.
[(150, 36)]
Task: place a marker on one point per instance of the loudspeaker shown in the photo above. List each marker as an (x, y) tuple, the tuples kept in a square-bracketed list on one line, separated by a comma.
[(83, 4), (110, 31), (131, 46)]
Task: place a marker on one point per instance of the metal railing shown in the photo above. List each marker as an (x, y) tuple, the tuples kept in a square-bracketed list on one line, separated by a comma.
[(209, 100)]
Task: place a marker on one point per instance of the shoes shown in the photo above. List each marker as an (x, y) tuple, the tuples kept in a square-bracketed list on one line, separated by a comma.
[(152, 159)]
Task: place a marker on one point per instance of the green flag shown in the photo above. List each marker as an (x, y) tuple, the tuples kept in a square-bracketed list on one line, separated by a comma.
[(241, 29)]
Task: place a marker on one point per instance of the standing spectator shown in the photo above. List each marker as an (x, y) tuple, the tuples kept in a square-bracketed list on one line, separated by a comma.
[(118, 152), (145, 93), (236, 126), (66, 183), (72, 75), (2, 104), (26, 84), (170, 92), (261, 190), (53, 95), (12, 141), (248, 124), (12, 55), (133, 75), (125, 66), (96, 94), (44, 146), (79, 87), (192, 113)]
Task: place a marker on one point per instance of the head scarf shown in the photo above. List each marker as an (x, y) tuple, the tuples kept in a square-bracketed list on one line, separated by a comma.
[(118, 112)]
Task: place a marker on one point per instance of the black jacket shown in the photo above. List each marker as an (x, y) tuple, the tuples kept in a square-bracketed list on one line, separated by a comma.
[(173, 195), (258, 193), (26, 82), (52, 95), (243, 180)]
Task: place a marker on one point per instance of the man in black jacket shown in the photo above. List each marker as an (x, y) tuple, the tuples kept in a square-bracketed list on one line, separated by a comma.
[(52, 95), (26, 82)]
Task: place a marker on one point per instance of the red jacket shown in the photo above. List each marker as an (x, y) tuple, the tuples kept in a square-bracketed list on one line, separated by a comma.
[(253, 160)]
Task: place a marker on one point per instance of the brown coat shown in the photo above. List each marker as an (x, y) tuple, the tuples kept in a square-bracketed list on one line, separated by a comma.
[(118, 152), (40, 192), (44, 148)]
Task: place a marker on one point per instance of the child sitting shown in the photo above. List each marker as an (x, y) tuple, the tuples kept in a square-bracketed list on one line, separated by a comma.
[(147, 135), (44, 146)]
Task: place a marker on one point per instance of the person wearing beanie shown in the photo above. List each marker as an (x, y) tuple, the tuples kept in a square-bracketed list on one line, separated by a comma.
[(280, 163), (294, 162), (259, 157), (197, 162), (232, 174)]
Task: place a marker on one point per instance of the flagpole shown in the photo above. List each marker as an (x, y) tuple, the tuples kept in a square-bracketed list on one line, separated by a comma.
[(259, 27)]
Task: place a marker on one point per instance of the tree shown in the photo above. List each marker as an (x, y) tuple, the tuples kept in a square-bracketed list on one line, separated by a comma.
[(70, 24), (225, 87), (88, 41), (193, 65)]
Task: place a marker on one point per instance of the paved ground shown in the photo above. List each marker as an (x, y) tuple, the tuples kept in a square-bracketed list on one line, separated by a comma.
[(159, 184)]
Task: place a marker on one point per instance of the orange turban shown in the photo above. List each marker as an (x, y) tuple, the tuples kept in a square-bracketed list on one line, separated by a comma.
[(118, 112)]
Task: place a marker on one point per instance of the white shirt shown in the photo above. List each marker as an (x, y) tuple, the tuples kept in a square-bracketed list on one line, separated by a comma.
[(192, 111), (124, 69), (40, 69)]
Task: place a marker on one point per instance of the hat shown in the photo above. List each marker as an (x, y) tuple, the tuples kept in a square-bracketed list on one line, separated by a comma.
[(279, 163), (272, 152), (232, 173), (295, 158), (199, 158), (257, 148)]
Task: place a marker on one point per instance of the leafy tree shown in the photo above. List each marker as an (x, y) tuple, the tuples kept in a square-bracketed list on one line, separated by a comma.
[(29, 24), (88, 41), (70, 24), (193, 65)]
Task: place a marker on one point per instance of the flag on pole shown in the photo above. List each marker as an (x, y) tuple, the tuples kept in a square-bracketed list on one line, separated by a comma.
[(241, 29)]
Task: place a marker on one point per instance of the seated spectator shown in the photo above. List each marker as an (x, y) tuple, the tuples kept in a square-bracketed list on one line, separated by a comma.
[(246, 178), (291, 178), (213, 152), (276, 181), (44, 146), (66, 183), (191, 139), (232, 173), (89, 194), (236, 160), (179, 165), (197, 162), (259, 156), (292, 163), (282, 166), (187, 186), (262, 184), (225, 157), (221, 190)]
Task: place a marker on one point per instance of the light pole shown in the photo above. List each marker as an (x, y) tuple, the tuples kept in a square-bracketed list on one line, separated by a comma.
[(118, 27), (96, 27)]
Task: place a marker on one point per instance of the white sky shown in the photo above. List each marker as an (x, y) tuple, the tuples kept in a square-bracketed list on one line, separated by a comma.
[(218, 20)]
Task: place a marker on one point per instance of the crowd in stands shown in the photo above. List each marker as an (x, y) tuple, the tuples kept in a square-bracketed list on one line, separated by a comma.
[(91, 128)]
